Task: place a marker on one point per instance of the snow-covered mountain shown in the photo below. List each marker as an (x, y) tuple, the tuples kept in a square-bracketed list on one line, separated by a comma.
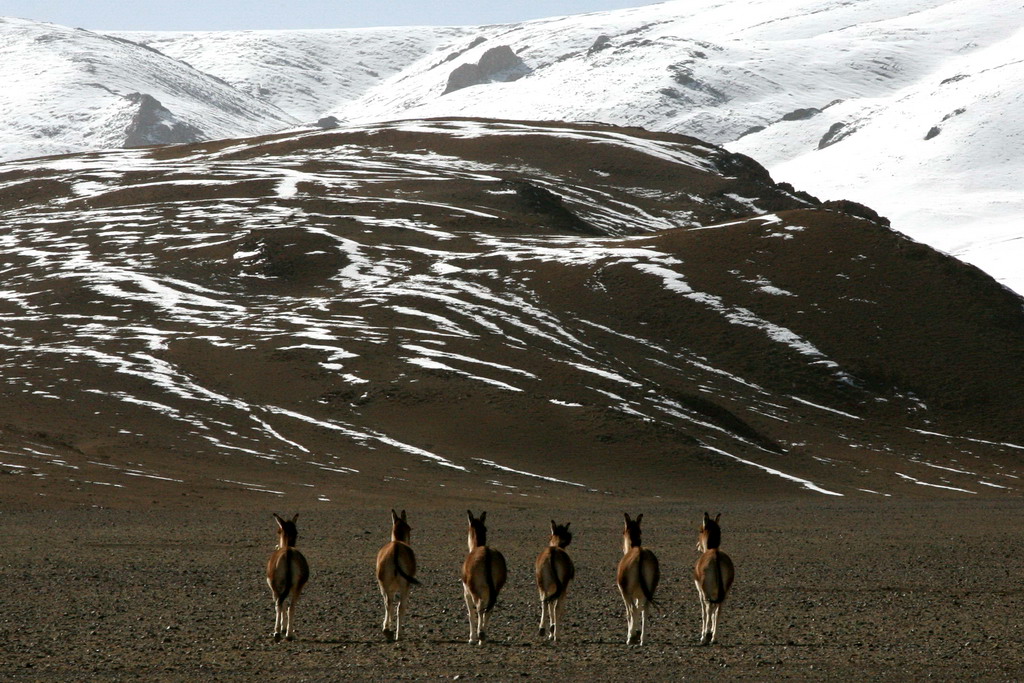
[(908, 106), (942, 157), (66, 90), (305, 73)]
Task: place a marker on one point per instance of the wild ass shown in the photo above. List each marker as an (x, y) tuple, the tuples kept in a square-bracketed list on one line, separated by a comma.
[(287, 573), (396, 571), (554, 572), (637, 579), (483, 575), (713, 575)]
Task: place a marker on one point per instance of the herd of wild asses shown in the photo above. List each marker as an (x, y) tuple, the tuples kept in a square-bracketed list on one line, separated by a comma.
[(484, 573)]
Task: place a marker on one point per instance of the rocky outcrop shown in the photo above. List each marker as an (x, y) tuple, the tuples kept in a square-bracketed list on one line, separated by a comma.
[(602, 42), (542, 202), (154, 124), (836, 132), (801, 114), (499, 64)]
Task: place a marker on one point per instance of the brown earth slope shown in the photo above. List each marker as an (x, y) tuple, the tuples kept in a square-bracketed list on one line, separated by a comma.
[(484, 304)]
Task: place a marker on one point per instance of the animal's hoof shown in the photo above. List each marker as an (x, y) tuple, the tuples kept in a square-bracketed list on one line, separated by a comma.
[(290, 637), (277, 637), (542, 632), (389, 635)]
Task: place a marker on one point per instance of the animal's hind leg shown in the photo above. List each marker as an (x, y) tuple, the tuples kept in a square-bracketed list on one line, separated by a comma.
[(715, 610), (278, 618), (289, 634), (386, 626), (632, 623), (399, 611), (705, 621), (629, 620), (556, 622), (288, 623), (543, 613), (471, 609), (636, 624), (705, 634), (643, 622), (481, 633)]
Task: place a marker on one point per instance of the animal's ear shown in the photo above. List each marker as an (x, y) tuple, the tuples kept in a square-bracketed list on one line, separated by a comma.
[(469, 515), (718, 517), (404, 518), (567, 525), (394, 516), (707, 518), (280, 522), (553, 525), (626, 515), (295, 517), (639, 517), (483, 517)]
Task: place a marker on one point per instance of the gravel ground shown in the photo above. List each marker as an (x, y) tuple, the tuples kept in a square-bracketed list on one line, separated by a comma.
[(824, 589)]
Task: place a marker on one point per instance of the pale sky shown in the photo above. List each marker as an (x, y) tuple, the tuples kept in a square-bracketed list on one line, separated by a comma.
[(216, 15)]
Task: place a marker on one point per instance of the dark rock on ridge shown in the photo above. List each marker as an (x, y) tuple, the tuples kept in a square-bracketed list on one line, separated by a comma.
[(852, 208), (836, 132), (546, 203), (154, 124), (328, 122), (801, 114), (602, 42), (496, 64)]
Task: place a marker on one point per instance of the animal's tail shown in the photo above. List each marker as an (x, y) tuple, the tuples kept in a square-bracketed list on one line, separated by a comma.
[(401, 572), (647, 590), (720, 593), (287, 559), (559, 586), (492, 593)]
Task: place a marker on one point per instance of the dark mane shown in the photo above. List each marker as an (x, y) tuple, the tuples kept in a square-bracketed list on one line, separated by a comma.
[(288, 530), (712, 532), (633, 530), (714, 535), (478, 529), (561, 534), (400, 529)]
